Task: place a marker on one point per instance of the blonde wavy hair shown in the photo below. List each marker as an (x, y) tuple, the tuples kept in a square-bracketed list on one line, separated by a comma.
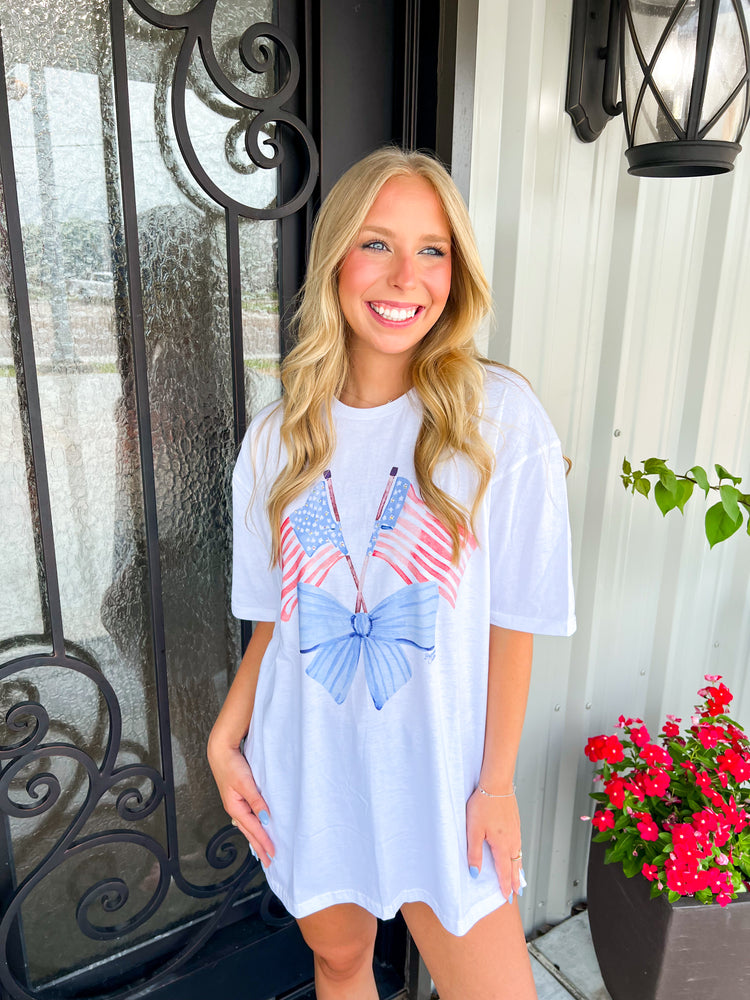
[(447, 372)]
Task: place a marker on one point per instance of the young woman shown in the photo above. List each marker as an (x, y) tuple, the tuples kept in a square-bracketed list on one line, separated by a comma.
[(400, 531)]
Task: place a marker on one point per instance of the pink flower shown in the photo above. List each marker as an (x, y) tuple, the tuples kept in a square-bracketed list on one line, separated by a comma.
[(648, 829), (712, 678), (604, 819)]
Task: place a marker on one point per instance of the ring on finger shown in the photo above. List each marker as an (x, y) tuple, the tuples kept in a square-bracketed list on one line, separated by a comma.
[(234, 822), (518, 856)]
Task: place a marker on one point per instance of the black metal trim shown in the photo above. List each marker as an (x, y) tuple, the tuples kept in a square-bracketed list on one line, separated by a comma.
[(683, 158)]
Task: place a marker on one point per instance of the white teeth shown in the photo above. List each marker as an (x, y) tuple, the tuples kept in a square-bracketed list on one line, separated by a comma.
[(394, 315)]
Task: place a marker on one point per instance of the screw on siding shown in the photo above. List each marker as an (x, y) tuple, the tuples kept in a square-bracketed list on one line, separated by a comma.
[(576, 881), (643, 673), (618, 432), (588, 705), (557, 708), (716, 644)]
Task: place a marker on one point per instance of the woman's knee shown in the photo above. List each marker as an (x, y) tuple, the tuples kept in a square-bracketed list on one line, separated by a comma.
[(342, 940)]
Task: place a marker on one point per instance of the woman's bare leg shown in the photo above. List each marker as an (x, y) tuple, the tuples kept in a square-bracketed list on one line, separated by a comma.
[(342, 939), (490, 962)]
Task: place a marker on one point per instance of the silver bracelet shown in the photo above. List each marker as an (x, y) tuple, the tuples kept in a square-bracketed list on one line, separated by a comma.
[(508, 795)]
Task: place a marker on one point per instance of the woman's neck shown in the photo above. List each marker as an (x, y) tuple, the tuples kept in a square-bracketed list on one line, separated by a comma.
[(374, 385)]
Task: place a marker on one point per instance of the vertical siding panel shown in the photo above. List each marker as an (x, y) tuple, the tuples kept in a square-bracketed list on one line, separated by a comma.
[(626, 304)]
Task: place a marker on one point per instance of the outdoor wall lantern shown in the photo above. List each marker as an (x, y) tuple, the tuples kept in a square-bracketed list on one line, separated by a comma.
[(683, 70)]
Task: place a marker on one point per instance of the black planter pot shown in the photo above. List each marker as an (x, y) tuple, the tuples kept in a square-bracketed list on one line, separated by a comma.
[(650, 949)]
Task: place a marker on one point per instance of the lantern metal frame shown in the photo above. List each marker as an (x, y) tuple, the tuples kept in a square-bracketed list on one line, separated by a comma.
[(597, 66)]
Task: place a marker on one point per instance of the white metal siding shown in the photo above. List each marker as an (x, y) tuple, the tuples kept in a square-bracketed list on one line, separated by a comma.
[(626, 302)]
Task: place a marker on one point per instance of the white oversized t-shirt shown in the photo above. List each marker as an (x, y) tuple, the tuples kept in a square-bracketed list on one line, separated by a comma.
[(368, 727)]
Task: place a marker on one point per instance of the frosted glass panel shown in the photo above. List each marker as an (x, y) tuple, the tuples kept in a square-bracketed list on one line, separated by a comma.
[(69, 179)]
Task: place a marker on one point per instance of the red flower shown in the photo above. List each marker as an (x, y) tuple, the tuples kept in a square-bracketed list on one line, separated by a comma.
[(671, 729), (615, 790), (710, 735), (606, 748), (604, 819), (649, 871), (738, 765), (640, 736), (648, 829), (654, 755), (717, 698), (656, 782), (705, 821), (636, 785)]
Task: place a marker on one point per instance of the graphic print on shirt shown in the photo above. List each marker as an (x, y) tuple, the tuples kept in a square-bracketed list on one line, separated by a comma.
[(413, 542)]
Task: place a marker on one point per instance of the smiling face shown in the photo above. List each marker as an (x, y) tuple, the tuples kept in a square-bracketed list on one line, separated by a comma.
[(394, 282)]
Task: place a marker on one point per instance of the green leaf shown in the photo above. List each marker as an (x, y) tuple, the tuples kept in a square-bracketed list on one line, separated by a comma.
[(665, 499), (722, 473), (642, 486), (626, 467), (654, 465), (699, 475), (684, 492), (719, 525), (655, 890), (668, 480), (625, 481), (729, 496), (673, 896)]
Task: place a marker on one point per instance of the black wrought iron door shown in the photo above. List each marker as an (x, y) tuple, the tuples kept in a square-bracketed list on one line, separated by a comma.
[(159, 167)]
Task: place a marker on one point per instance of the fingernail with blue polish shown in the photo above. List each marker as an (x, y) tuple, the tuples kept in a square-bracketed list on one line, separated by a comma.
[(523, 874), (473, 871), (510, 898), (520, 891), (264, 817)]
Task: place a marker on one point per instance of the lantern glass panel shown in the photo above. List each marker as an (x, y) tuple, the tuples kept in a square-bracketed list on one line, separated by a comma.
[(727, 65), (633, 77), (729, 125), (652, 125), (674, 67), (650, 18)]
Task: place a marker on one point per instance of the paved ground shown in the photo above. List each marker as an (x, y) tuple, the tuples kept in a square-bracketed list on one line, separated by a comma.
[(565, 964)]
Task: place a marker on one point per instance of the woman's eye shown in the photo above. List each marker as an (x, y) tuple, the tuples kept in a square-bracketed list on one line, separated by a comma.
[(433, 252), (374, 245)]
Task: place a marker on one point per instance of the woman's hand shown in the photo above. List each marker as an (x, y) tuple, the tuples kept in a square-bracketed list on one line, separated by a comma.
[(496, 820), (241, 798)]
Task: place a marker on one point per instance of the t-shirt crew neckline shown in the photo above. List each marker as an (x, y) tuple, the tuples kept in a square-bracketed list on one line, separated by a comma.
[(340, 409)]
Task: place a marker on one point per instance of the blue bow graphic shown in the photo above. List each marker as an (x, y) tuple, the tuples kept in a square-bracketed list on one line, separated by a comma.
[(406, 618)]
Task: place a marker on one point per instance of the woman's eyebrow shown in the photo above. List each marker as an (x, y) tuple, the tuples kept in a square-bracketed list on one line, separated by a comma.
[(427, 237)]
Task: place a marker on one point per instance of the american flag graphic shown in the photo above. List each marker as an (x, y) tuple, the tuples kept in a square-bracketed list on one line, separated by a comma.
[(416, 544), (311, 544)]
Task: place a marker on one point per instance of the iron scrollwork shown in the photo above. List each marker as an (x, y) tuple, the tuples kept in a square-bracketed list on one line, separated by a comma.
[(257, 57), (109, 895)]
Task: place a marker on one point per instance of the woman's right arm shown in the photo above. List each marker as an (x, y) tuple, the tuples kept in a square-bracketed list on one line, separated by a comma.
[(232, 774)]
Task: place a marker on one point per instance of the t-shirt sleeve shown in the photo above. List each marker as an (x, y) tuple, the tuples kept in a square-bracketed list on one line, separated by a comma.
[(256, 586), (531, 588)]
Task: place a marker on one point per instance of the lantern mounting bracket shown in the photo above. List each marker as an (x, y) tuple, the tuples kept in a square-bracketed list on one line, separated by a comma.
[(593, 66)]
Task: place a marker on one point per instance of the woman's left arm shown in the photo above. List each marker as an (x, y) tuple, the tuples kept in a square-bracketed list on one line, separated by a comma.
[(496, 820)]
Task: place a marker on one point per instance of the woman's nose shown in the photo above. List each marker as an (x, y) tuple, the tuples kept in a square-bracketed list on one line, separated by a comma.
[(403, 274)]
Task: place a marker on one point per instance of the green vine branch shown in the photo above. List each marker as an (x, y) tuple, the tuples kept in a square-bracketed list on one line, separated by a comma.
[(672, 491)]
